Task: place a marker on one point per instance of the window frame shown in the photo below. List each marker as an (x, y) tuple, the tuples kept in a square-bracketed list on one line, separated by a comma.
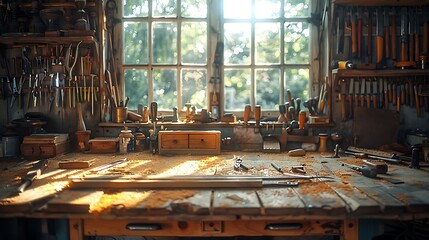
[(215, 17)]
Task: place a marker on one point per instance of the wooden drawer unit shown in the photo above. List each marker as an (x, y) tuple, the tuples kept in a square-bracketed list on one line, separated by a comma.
[(44, 150), (189, 142)]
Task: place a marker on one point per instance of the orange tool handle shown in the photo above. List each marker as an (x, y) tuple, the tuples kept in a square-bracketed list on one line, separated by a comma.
[(386, 99), (393, 89), (379, 42), (374, 101), (354, 39), (368, 101), (359, 38), (369, 44)]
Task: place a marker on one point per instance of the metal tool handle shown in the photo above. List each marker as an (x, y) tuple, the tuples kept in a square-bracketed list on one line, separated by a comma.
[(143, 226), (283, 226)]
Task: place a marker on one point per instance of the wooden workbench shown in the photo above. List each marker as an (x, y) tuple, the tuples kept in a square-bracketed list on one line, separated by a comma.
[(314, 207)]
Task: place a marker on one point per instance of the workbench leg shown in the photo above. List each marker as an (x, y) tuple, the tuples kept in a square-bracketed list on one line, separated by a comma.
[(350, 230), (76, 229)]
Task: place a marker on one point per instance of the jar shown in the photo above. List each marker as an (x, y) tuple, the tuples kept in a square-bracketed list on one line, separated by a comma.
[(126, 141)]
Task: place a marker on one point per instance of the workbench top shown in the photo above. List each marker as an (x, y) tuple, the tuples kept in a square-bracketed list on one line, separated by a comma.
[(402, 193)]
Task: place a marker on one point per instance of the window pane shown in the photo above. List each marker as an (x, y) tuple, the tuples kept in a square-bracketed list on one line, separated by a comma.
[(267, 43), (237, 88), (135, 8), (267, 88), (164, 88), (194, 87), (164, 8), (237, 43), (296, 8), (136, 87), (297, 81), (194, 43), (164, 43), (267, 8), (135, 43), (238, 9), (194, 8), (297, 42)]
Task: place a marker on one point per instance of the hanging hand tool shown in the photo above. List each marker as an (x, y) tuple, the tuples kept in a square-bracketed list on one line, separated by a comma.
[(368, 93), (416, 36), (15, 92), (386, 34), (343, 90), (411, 91), (359, 33), (154, 135), (379, 38), (31, 175), (393, 33), (340, 31), (411, 35), (362, 93), (29, 92), (404, 37), (69, 68), (353, 34), (386, 94), (369, 37), (350, 97), (380, 93), (416, 94), (257, 116), (398, 98), (425, 36), (364, 170), (356, 96), (374, 93), (35, 91)]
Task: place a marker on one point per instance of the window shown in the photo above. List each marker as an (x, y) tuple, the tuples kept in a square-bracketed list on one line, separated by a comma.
[(168, 44), (267, 50), (165, 52)]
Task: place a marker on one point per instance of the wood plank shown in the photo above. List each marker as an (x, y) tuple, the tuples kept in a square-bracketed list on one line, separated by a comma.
[(281, 201), (236, 202), (74, 201)]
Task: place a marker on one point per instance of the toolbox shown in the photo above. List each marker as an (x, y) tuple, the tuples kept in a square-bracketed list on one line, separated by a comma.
[(44, 150), (103, 145)]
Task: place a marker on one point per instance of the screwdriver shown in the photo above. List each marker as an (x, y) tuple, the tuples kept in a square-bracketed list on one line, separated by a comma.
[(365, 170), (275, 166)]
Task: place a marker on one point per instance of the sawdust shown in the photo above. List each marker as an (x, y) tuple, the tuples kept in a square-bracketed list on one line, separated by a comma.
[(314, 188), (137, 199)]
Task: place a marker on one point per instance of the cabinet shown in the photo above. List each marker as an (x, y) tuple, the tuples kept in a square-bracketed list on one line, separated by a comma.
[(189, 142)]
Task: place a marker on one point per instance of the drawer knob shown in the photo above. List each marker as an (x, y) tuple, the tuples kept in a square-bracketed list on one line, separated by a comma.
[(202, 139), (175, 141)]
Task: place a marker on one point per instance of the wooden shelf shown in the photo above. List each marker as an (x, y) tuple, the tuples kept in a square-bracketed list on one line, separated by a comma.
[(46, 40), (380, 73), (59, 5)]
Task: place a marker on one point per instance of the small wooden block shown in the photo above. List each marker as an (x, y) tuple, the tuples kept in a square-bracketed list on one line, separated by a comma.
[(66, 164), (296, 152)]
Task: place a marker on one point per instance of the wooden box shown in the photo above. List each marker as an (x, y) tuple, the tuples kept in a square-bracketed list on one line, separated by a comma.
[(44, 150), (103, 145), (189, 142)]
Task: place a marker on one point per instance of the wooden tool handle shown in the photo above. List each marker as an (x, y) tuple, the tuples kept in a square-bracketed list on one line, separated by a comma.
[(404, 51), (411, 47), (246, 115), (416, 48), (343, 107), (153, 111), (350, 99), (411, 89), (368, 101), (354, 39), (258, 114), (386, 99), (374, 101), (359, 38), (379, 42)]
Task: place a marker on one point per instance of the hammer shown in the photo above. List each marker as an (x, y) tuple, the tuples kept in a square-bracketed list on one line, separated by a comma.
[(365, 170)]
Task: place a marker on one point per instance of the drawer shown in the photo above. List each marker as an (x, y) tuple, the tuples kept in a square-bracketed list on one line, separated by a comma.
[(173, 141), (203, 141)]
